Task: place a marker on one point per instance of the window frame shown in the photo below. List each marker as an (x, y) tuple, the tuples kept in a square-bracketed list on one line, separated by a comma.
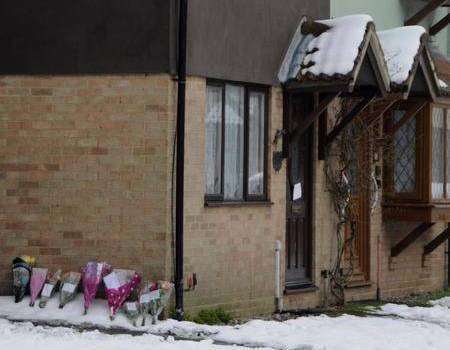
[(421, 141), (246, 198), (424, 158), (445, 194)]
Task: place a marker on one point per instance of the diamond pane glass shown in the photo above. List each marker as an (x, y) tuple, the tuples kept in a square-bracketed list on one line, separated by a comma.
[(438, 162), (405, 155)]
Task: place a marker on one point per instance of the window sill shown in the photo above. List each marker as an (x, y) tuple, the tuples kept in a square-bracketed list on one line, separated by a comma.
[(301, 289), (212, 204)]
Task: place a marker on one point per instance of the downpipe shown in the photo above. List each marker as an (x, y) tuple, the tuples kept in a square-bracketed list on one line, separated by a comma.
[(181, 111), (278, 296)]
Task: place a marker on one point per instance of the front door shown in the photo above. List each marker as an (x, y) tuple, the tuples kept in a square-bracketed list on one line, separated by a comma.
[(299, 193), (358, 231)]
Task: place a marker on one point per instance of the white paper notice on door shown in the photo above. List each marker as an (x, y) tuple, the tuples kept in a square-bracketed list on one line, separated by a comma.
[(297, 191)]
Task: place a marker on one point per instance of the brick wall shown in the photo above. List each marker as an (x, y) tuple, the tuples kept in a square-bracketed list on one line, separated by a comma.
[(83, 170), (398, 277), (232, 250)]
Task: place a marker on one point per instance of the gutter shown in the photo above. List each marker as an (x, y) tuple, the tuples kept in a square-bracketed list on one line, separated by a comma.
[(180, 131)]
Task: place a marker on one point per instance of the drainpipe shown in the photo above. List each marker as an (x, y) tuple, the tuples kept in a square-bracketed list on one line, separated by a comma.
[(179, 255), (278, 297)]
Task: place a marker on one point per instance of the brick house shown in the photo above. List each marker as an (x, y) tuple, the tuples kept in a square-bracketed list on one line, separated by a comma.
[(88, 115)]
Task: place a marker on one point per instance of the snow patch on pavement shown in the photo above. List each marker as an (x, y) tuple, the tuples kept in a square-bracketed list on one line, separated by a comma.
[(439, 312), (411, 328), (340, 333), (441, 302), (26, 336), (98, 316)]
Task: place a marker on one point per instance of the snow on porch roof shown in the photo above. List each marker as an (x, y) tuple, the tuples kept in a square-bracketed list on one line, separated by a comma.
[(347, 51), (402, 48), (333, 51)]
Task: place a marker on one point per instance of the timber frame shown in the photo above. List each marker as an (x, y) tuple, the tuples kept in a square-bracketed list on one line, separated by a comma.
[(419, 204), (410, 238)]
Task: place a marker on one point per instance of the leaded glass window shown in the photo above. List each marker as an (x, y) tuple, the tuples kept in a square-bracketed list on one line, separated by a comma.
[(405, 155)]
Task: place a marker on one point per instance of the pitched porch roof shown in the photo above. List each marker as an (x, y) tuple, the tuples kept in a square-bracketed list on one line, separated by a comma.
[(346, 52), (343, 52), (411, 67)]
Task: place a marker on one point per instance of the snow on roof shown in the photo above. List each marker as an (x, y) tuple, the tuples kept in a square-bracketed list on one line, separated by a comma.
[(401, 47), (332, 52)]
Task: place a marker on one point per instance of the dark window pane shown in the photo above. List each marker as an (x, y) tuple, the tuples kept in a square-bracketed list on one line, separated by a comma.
[(213, 140), (405, 155), (256, 143), (438, 138), (234, 142)]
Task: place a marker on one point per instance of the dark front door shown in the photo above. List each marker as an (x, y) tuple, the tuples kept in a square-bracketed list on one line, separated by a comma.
[(299, 192)]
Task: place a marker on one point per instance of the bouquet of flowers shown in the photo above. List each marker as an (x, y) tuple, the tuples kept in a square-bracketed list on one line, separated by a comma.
[(119, 285), (69, 285), (92, 276), (49, 287), (154, 297), (21, 269), (38, 276), (131, 309)]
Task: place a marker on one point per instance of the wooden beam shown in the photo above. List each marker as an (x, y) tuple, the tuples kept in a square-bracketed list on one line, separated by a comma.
[(436, 28), (410, 238), (323, 129), (424, 12), (355, 111), (411, 112), (430, 247), (310, 118)]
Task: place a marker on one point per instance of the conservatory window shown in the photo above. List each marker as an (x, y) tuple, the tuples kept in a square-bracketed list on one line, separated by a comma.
[(235, 140)]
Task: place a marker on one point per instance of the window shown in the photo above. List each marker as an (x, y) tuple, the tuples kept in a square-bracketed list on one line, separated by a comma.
[(235, 142), (405, 154), (440, 163), (417, 173)]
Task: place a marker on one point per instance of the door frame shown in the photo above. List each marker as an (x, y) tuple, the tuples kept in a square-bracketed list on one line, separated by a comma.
[(309, 184)]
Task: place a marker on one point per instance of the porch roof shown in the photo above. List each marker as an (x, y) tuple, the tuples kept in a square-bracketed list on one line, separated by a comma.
[(342, 51), (347, 52), (411, 67), (402, 47)]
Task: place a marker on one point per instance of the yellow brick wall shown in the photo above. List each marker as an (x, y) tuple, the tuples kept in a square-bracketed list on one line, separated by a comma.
[(230, 249), (83, 171)]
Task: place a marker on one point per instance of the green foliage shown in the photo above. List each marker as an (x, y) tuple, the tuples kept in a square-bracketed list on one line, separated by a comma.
[(187, 316), (213, 316)]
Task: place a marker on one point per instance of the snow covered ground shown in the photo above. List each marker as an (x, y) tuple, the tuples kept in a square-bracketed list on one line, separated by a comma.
[(398, 328)]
